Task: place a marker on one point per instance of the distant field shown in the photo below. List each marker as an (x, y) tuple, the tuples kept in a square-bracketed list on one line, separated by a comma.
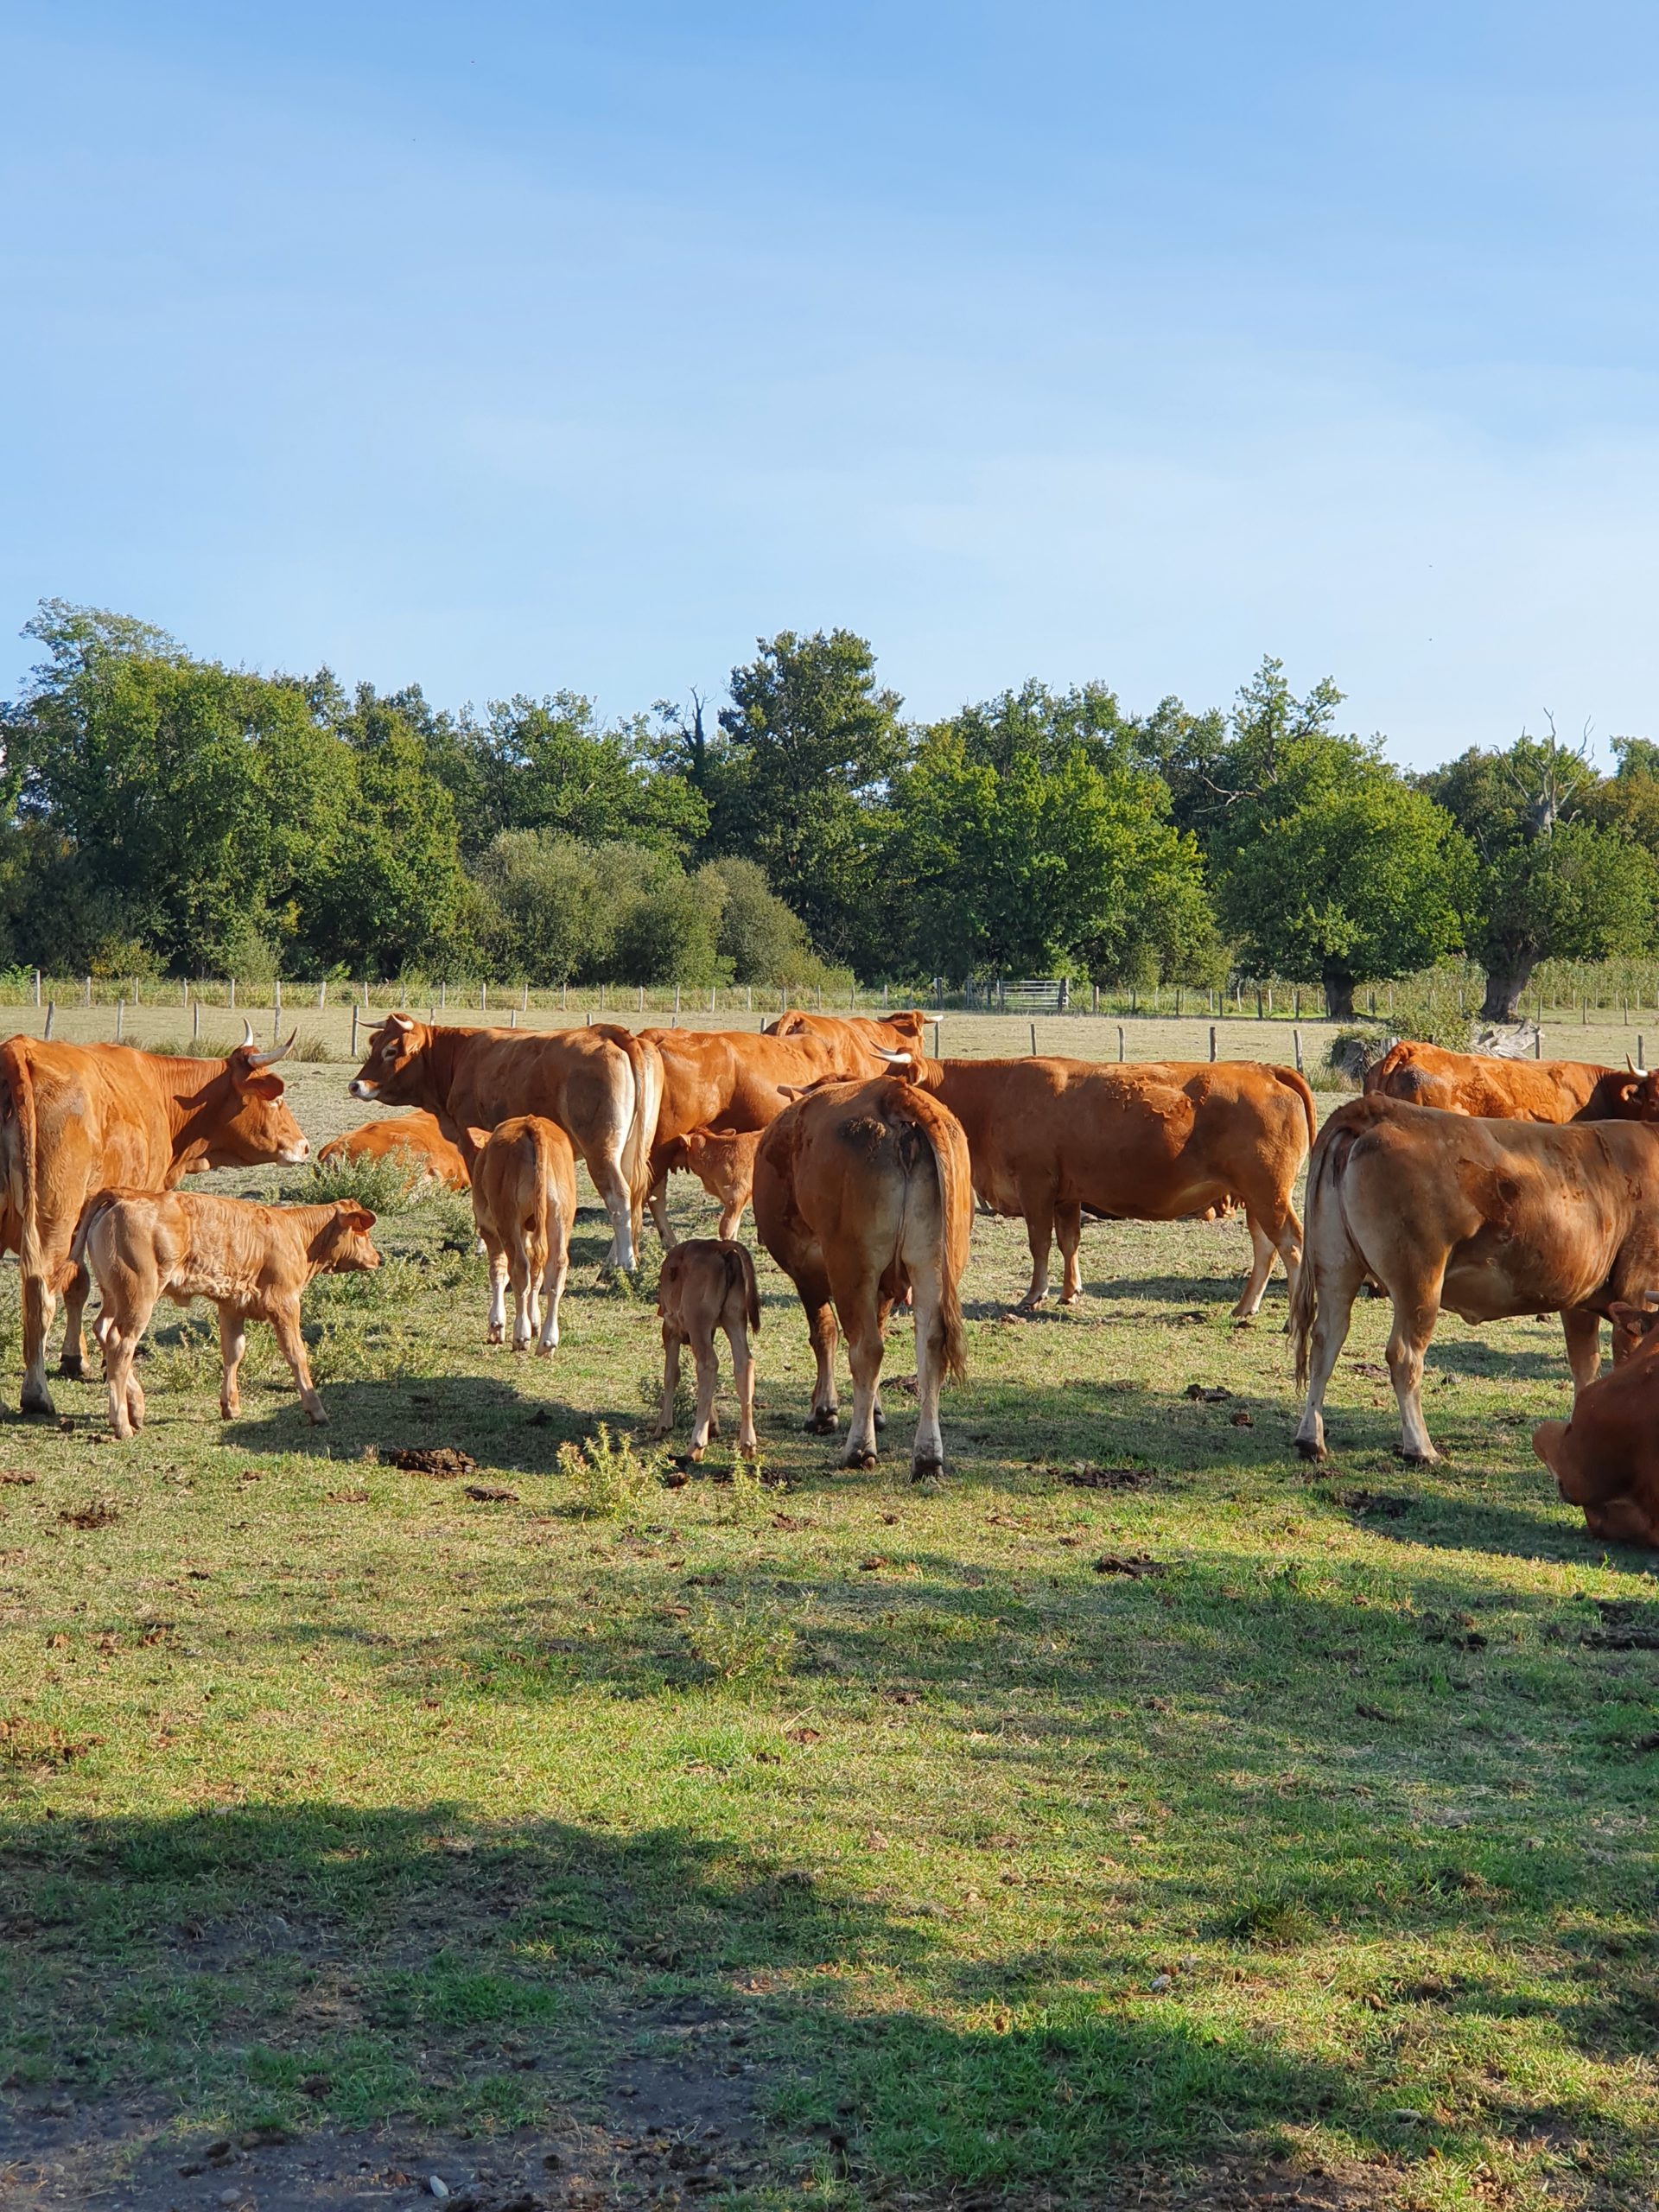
[(1136, 1816), (969, 1035)]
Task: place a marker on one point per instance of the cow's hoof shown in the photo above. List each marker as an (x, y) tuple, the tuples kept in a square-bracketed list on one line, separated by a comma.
[(496, 1337), (71, 1368), (37, 1406), (825, 1422), (1420, 1459), (1308, 1450), (864, 1459), (521, 1343), (922, 1471)]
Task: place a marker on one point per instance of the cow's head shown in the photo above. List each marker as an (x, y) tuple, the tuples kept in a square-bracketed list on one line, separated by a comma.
[(1638, 1093), (254, 1124), (909, 1023), (909, 1067), (344, 1248), (390, 1074)]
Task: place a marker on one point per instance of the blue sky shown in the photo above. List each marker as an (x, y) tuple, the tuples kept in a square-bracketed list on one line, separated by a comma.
[(507, 348)]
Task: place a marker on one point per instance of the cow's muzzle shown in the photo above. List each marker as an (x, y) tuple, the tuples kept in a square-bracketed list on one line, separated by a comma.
[(357, 1087), (297, 1152)]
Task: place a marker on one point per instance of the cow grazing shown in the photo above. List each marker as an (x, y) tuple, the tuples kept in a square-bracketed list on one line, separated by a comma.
[(1607, 1458), (252, 1261), (600, 1085), (1494, 1089), (524, 1203), (860, 1191), (1055, 1141), (75, 1119), (1490, 1218), (708, 1283), (735, 1082), (413, 1140), (723, 1162)]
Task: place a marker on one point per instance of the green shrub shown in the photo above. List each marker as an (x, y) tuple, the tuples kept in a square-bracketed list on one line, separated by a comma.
[(745, 1645), (607, 1474)]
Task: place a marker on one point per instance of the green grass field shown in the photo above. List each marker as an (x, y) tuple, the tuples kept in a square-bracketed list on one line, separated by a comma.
[(1136, 1815)]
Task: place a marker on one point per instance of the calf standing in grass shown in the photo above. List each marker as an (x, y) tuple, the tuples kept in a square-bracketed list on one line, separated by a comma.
[(708, 1284), (253, 1262), (524, 1203), (723, 1162)]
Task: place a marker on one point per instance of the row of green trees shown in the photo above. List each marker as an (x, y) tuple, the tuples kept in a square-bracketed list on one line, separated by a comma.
[(162, 812)]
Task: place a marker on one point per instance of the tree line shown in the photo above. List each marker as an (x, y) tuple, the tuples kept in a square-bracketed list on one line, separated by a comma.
[(164, 814)]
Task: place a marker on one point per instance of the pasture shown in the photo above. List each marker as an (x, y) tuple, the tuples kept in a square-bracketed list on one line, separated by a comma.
[(1135, 1817)]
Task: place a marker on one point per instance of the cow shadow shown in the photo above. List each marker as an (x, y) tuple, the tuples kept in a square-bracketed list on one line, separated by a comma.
[(484, 1416)]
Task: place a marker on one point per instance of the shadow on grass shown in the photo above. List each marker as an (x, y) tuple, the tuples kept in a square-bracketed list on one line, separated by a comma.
[(314, 1963)]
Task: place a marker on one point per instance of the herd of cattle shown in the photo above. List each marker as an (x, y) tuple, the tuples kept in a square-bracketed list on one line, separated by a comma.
[(1490, 1186)]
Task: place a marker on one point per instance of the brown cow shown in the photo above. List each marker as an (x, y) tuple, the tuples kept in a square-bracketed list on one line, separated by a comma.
[(723, 1162), (1494, 1089), (415, 1139), (1607, 1458), (859, 1190), (253, 1262), (524, 1203), (600, 1085), (1054, 1140), (708, 1284), (1491, 1218), (732, 1080), (75, 1119), (898, 1032)]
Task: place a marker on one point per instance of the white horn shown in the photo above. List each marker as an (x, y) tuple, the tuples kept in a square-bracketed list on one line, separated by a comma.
[(247, 1028), (893, 1060), (269, 1059)]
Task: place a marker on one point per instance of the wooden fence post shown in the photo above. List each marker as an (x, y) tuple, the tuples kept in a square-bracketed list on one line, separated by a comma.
[(89, 991), (1212, 1040), (120, 1012), (1297, 1035), (1119, 1040), (196, 1019), (1033, 1040), (354, 1015), (232, 995), (51, 1015), (37, 987)]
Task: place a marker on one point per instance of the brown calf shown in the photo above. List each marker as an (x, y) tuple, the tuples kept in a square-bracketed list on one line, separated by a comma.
[(708, 1284), (1606, 1459), (253, 1262), (414, 1139), (723, 1162), (524, 1203)]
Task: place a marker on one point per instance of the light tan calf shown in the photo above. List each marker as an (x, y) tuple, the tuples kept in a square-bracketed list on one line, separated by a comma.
[(253, 1262), (708, 1284), (524, 1203), (723, 1162)]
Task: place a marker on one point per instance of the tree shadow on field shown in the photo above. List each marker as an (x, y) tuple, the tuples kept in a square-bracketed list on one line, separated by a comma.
[(319, 1966)]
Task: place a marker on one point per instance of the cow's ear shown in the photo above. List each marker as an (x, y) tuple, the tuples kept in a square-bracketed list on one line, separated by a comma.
[(356, 1218), (479, 1138), (260, 1086)]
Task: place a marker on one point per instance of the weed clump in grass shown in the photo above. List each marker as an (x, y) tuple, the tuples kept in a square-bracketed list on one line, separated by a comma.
[(608, 1474), (385, 1185), (746, 1647), (1276, 1923)]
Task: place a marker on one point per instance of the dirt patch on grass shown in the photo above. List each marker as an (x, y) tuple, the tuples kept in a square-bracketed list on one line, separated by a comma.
[(441, 1461)]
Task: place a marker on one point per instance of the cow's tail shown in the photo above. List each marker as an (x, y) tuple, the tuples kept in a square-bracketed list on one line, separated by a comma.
[(544, 1186), (1330, 1156), (909, 1102), (1295, 1080), (90, 1214), (20, 1135), (739, 1270), (645, 1062)]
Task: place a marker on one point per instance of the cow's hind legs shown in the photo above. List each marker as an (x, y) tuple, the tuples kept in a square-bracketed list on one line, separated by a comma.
[(1338, 1287), (1414, 1324), (1263, 1247), (1039, 1234), (824, 1419), (927, 1454), (72, 1362), (1583, 1334), (737, 1335), (496, 1331), (286, 1323), (1068, 1234), (38, 1303), (864, 1350)]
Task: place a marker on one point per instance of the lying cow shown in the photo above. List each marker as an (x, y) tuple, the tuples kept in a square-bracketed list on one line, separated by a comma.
[(77, 1119), (1054, 1140), (861, 1190), (1494, 1089), (524, 1204), (412, 1139), (1607, 1458), (723, 1162), (1491, 1218), (898, 1032), (253, 1262), (708, 1284)]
